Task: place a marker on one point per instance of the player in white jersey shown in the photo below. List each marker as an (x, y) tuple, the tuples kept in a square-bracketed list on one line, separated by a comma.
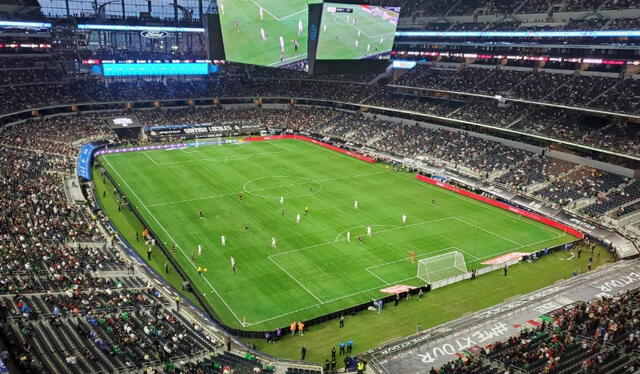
[(223, 240), (300, 29), (357, 42), (381, 40), (233, 264), (369, 231), (261, 14), (355, 205), (404, 219), (199, 250), (359, 32), (368, 47), (324, 28), (273, 242), (262, 34), (349, 236), (282, 44), (281, 200), (221, 7), (297, 218)]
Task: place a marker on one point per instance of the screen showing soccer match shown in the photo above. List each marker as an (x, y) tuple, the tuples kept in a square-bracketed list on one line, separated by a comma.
[(264, 32), (356, 31)]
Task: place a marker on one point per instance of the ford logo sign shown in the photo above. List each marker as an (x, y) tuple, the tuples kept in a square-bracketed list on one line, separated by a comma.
[(154, 34)]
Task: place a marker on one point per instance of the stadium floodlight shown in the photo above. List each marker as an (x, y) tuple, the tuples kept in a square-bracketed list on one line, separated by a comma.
[(437, 268)]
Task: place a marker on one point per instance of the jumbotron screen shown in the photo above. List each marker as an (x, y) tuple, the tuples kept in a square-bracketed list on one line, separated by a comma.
[(264, 32), (355, 31)]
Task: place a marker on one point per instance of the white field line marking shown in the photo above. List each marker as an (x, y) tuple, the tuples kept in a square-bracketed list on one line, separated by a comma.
[(487, 231), (273, 16), (295, 280), (396, 282), (230, 158), (152, 160), (295, 57), (336, 17), (365, 226), (375, 275), (381, 231), (172, 239), (259, 189)]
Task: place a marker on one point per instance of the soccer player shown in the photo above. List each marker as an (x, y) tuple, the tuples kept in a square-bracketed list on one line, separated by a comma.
[(297, 218), (261, 14), (221, 7), (359, 32), (295, 49), (368, 47), (306, 210), (199, 250), (433, 201), (324, 28), (404, 219), (281, 200), (357, 42), (355, 205), (223, 241), (300, 29), (240, 195), (237, 26), (193, 256), (281, 46), (201, 214), (369, 231), (382, 40), (282, 212), (233, 264), (273, 242), (413, 255), (349, 236), (246, 227), (262, 34), (360, 238)]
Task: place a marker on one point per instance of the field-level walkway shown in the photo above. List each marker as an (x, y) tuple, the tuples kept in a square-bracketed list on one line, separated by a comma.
[(313, 269)]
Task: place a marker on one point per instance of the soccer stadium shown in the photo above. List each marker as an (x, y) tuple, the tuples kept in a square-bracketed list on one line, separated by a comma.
[(198, 186)]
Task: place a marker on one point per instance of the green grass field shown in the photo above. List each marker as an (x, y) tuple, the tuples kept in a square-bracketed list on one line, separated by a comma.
[(244, 42), (313, 270), (342, 39)]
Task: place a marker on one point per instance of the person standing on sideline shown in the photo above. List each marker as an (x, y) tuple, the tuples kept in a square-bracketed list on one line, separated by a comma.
[(228, 342), (300, 328), (369, 231), (360, 367), (506, 269), (303, 352), (293, 328), (380, 303), (342, 320), (349, 346), (333, 354), (178, 300), (342, 345)]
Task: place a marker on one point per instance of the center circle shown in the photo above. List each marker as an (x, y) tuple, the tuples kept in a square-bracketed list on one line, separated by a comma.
[(286, 186)]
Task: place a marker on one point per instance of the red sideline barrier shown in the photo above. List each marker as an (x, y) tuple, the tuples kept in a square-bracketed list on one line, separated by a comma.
[(521, 212), (304, 138)]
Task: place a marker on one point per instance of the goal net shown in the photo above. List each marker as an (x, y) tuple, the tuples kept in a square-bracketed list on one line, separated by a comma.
[(437, 268)]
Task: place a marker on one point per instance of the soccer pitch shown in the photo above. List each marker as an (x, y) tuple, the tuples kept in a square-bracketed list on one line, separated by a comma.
[(313, 270), (342, 39), (241, 24)]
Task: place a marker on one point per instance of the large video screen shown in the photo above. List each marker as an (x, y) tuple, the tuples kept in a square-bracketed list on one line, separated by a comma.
[(355, 31), (264, 32), (196, 68)]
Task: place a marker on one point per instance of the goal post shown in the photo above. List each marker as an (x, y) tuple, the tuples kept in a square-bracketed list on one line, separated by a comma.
[(436, 268)]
